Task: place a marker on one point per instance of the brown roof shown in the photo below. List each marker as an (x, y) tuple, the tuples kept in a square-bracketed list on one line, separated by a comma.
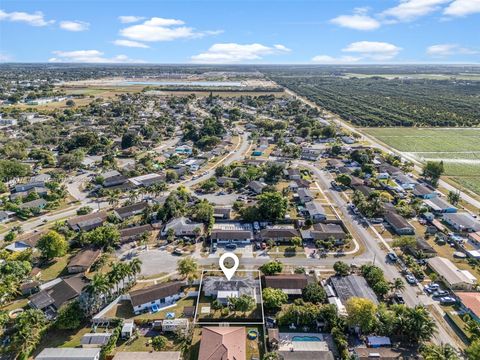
[(31, 239), (134, 231), (273, 335), (290, 281), (223, 343), (130, 210), (155, 292), (100, 216), (396, 220), (85, 258), (378, 353), (231, 234), (274, 233)]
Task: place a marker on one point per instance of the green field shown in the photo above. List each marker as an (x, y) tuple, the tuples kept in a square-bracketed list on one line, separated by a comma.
[(459, 148)]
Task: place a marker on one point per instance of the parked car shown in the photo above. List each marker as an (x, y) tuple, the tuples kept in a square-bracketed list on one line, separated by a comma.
[(392, 257), (214, 247), (411, 279), (230, 246), (440, 293), (398, 298), (448, 300), (432, 287), (178, 251)]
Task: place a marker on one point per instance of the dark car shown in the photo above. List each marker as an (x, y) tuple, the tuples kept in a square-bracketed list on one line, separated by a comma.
[(230, 246), (398, 298), (392, 257)]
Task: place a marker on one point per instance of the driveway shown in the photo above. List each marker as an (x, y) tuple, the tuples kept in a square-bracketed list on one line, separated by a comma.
[(157, 261)]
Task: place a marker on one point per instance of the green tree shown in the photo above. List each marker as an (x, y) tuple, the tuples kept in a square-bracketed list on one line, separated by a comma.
[(272, 205), (274, 298), (314, 293), (70, 316), (473, 351), (171, 176), (243, 303), (296, 241), (188, 268), (454, 197), (397, 285), (29, 326), (52, 245), (271, 267), (341, 268), (106, 236), (361, 313), (344, 179), (432, 170), (159, 343)]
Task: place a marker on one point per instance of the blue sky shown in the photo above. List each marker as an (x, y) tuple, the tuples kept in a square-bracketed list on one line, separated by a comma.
[(241, 32)]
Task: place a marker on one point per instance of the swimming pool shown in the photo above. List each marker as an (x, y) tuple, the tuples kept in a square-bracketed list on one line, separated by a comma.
[(305, 338)]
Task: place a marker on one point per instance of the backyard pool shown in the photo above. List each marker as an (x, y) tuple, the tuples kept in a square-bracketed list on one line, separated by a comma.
[(305, 338)]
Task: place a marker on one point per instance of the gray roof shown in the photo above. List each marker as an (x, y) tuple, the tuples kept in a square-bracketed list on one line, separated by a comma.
[(314, 208), (68, 353), (144, 355), (306, 355), (33, 204), (463, 220), (95, 338), (352, 286), (182, 226), (438, 204)]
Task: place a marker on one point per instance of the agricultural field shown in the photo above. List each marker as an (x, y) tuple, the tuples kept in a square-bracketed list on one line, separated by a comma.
[(459, 149)]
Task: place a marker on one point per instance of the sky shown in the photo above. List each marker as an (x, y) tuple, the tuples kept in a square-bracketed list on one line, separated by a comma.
[(240, 32)]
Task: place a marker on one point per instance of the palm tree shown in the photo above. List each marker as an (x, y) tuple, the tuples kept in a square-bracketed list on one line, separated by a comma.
[(397, 285), (115, 275), (439, 352), (135, 267), (188, 268), (420, 325), (98, 286), (29, 326)]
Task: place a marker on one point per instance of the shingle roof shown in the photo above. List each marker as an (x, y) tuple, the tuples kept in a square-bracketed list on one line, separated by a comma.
[(155, 292), (68, 353), (223, 343), (350, 286), (289, 281), (85, 258)]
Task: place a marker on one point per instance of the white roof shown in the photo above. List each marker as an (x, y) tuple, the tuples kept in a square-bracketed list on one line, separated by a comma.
[(451, 273), (144, 355), (224, 294), (68, 353)]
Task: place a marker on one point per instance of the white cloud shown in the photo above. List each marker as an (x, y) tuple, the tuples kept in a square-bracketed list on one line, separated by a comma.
[(327, 59), (161, 29), (89, 56), (462, 8), (4, 57), (74, 25), (408, 10), (35, 19), (441, 50), (373, 50), (228, 53), (358, 21), (130, 43), (130, 19)]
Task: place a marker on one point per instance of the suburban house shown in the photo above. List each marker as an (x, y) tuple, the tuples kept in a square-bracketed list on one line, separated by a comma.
[(222, 212), (279, 233), (25, 242), (405, 181), (424, 192), (304, 195), (37, 204), (291, 284), (113, 178), (69, 353), (462, 222), (56, 293), (183, 227), (451, 275), (350, 286), (315, 211), (470, 302), (6, 216), (226, 343), (366, 353), (398, 223), (256, 186), (147, 180), (324, 231), (134, 233), (95, 340), (239, 233), (87, 222), (310, 154), (439, 206), (83, 260), (155, 297), (293, 174), (131, 210), (218, 288)]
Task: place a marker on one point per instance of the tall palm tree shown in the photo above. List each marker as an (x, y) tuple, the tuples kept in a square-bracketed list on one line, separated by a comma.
[(397, 285), (96, 289), (115, 275), (135, 267), (421, 326)]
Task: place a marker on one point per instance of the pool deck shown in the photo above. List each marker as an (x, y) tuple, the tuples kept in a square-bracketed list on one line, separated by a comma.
[(287, 343)]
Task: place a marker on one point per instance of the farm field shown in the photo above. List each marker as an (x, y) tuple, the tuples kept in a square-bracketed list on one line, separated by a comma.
[(459, 149)]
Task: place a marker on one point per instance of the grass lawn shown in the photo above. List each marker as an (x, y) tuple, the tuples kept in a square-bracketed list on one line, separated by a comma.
[(52, 271), (17, 304), (255, 347), (62, 338), (143, 343), (217, 314)]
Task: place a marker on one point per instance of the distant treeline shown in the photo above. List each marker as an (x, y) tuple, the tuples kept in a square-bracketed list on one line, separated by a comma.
[(377, 101), (217, 89)]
